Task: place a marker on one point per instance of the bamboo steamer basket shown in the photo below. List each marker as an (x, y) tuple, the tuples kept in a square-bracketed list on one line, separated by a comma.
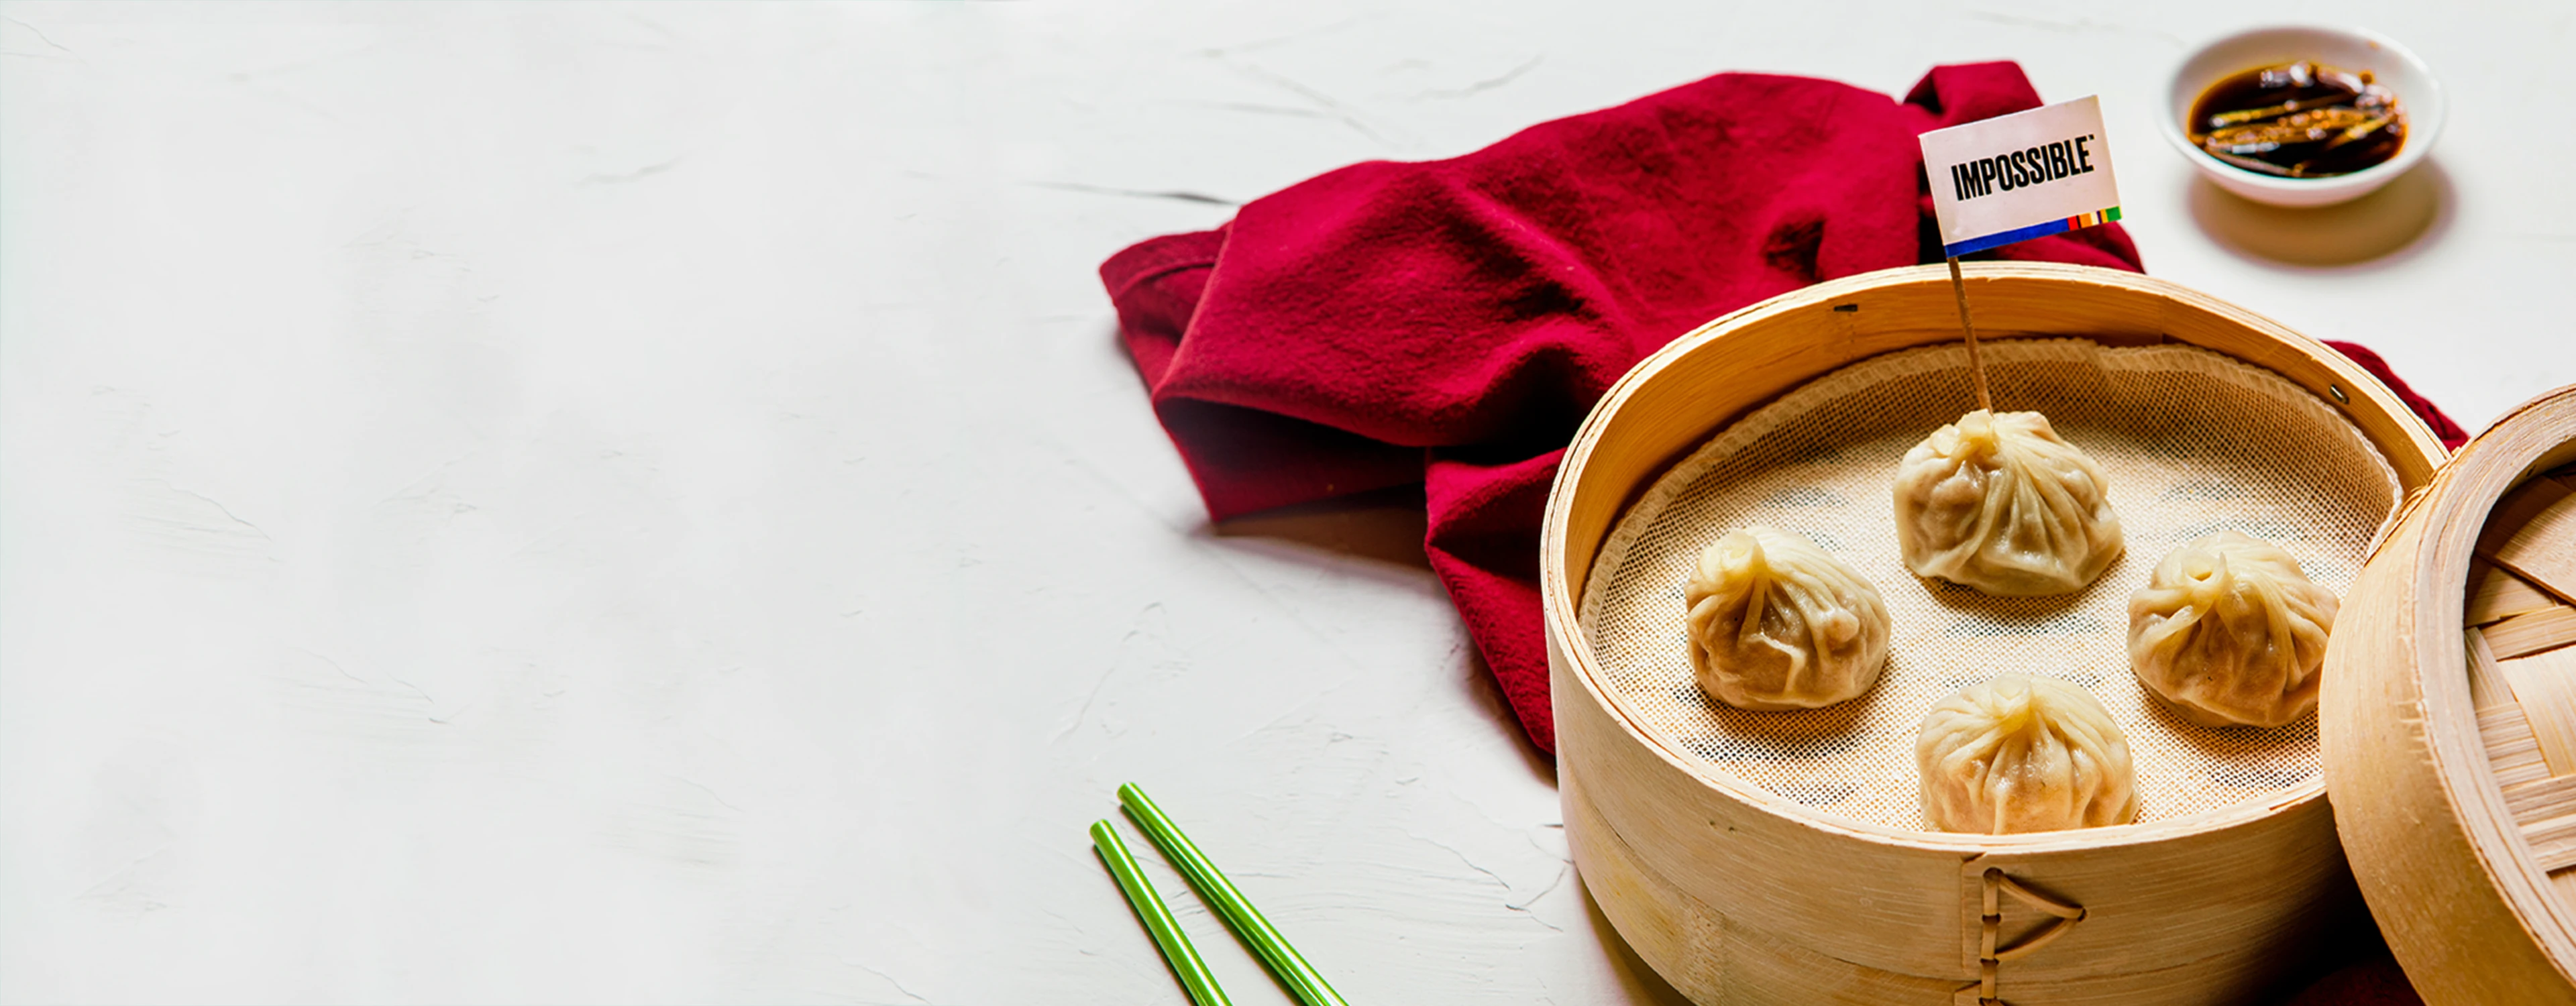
[(1738, 895), (2462, 842)]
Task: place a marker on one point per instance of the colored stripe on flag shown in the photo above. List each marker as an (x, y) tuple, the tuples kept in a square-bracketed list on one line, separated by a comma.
[(2001, 238)]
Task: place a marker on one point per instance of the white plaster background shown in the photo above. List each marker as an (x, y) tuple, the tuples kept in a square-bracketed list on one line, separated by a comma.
[(641, 503)]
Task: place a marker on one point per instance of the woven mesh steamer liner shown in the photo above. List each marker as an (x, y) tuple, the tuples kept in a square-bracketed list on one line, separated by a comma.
[(2192, 442)]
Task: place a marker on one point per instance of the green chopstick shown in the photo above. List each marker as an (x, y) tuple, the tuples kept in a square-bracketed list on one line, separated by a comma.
[(1283, 960), (1184, 958)]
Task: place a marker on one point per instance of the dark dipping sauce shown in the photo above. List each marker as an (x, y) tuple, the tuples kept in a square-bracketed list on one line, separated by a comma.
[(2299, 120)]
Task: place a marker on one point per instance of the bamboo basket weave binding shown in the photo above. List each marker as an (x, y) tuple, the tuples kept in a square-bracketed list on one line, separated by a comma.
[(1742, 887), (2455, 832)]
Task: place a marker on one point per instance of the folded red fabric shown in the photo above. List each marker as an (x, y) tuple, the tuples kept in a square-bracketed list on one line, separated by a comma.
[(2450, 433), (1450, 322)]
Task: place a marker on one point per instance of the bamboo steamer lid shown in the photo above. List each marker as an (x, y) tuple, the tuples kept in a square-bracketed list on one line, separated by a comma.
[(2453, 772), (1743, 881)]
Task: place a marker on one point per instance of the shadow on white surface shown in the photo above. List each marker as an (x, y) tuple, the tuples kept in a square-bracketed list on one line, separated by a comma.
[(1386, 526), (2401, 220), (1383, 531), (1636, 977)]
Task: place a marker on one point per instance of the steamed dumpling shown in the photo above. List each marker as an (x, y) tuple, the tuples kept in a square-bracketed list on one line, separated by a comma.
[(1998, 502), (2230, 632), (1777, 623), (2020, 754)]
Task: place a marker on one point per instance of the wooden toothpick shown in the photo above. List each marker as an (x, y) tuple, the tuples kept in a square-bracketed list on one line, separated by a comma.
[(1976, 363)]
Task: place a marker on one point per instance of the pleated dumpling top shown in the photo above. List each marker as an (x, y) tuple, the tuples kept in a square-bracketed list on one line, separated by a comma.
[(2017, 754), (2230, 632), (2001, 503), (1776, 623)]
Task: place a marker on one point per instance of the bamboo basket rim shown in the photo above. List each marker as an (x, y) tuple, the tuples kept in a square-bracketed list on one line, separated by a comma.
[(2460, 498), (1561, 594)]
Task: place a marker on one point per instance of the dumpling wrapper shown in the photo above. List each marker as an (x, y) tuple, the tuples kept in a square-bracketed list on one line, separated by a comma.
[(1999, 502), (2230, 632), (1777, 623), (2016, 755)]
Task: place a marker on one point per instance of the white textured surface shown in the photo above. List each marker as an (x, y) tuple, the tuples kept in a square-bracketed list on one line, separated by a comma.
[(589, 503)]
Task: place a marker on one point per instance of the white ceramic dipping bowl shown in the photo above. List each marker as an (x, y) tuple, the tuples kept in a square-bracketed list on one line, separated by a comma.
[(2389, 63)]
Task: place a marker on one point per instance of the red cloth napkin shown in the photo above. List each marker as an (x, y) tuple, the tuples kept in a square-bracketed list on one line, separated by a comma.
[(1450, 322), (2450, 433)]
